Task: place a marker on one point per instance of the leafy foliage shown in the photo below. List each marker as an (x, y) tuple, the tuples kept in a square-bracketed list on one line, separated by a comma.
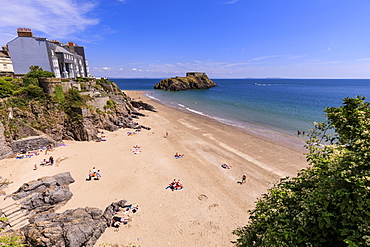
[(6, 88), (59, 94), (10, 240), (37, 72), (31, 91), (327, 204), (110, 104)]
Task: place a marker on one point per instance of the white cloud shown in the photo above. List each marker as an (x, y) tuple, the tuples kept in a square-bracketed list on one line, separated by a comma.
[(232, 1), (55, 19), (363, 59), (265, 57)]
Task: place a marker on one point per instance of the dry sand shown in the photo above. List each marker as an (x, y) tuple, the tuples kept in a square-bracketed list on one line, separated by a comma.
[(212, 204)]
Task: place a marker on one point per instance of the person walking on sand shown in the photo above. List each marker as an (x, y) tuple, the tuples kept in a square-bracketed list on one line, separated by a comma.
[(244, 178)]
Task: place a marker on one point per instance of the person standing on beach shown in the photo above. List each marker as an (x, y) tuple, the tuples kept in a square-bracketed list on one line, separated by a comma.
[(244, 178)]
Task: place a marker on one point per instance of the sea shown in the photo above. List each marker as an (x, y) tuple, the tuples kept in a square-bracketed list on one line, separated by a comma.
[(284, 106)]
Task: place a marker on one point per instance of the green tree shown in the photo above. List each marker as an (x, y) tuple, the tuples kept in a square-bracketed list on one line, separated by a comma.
[(37, 72), (327, 204)]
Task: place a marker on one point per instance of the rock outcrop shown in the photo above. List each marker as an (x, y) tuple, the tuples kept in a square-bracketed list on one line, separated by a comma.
[(74, 228), (191, 81), (44, 194), (30, 124), (4, 149)]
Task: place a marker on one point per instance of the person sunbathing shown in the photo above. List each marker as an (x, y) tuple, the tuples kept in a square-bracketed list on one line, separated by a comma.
[(177, 155), (171, 185), (178, 185), (226, 166)]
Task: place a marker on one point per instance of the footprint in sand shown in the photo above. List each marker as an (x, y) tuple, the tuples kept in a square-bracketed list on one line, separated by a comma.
[(202, 197), (213, 206)]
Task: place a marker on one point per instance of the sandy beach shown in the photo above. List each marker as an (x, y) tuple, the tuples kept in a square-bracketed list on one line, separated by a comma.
[(212, 203)]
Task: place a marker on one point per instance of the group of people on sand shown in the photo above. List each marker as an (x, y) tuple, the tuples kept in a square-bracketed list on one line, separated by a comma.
[(177, 155), (93, 174), (123, 215), (175, 185), (45, 162), (29, 154)]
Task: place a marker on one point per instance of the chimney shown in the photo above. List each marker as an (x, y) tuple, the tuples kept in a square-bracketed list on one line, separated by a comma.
[(24, 32), (70, 43), (54, 41)]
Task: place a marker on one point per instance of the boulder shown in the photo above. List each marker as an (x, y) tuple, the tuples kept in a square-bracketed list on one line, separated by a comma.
[(74, 228), (44, 194)]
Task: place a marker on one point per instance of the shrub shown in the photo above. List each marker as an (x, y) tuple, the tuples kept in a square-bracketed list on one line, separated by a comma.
[(327, 204), (6, 88), (31, 91)]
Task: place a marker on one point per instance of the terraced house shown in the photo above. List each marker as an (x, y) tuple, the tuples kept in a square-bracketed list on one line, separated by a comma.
[(64, 60), (6, 66)]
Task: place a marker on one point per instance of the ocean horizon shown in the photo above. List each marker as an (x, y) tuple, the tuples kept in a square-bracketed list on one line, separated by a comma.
[(285, 106)]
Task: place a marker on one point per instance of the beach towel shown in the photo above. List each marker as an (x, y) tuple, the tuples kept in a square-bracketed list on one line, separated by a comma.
[(177, 157)]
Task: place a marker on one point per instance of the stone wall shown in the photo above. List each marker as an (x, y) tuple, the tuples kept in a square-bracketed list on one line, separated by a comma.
[(66, 85), (4, 149), (49, 84), (32, 143)]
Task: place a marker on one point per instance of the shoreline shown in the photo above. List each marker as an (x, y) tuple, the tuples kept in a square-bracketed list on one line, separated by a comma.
[(211, 206), (258, 131)]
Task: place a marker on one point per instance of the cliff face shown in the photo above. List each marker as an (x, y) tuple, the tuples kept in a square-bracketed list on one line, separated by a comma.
[(32, 124), (185, 83)]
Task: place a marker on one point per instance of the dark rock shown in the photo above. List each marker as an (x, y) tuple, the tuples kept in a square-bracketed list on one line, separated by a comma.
[(44, 194), (142, 105), (191, 81), (74, 228)]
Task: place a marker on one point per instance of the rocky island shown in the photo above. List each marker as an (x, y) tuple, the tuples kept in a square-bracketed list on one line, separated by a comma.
[(193, 80)]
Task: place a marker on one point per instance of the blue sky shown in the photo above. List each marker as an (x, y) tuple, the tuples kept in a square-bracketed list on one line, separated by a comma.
[(224, 38)]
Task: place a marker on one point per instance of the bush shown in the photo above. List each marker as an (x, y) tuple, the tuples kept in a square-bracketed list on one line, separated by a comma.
[(110, 104), (37, 72), (6, 88), (327, 204), (31, 92)]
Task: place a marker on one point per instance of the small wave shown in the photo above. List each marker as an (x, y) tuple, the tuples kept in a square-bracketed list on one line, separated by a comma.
[(153, 98), (181, 105), (194, 111), (227, 121)]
